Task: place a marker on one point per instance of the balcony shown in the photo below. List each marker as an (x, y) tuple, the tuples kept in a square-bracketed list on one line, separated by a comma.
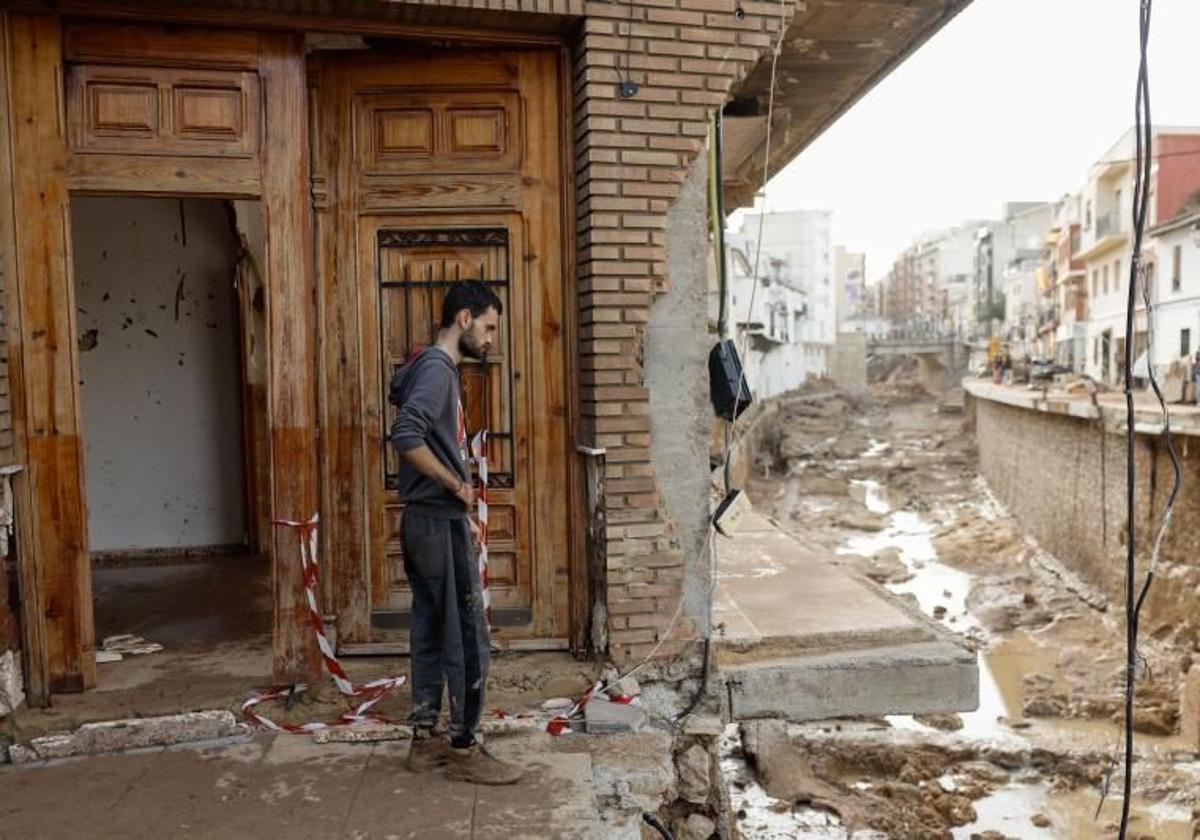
[(1109, 233), (1107, 225)]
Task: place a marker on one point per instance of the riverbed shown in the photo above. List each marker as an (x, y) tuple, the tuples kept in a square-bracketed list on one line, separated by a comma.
[(911, 495)]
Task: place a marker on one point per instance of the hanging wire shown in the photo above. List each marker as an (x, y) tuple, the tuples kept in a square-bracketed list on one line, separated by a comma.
[(1143, 133), (709, 547)]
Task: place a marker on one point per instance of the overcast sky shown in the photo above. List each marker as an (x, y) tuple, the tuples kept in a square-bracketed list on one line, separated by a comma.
[(1012, 101)]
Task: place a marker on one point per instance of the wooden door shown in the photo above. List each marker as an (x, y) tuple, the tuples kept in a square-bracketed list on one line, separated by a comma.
[(447, 167)]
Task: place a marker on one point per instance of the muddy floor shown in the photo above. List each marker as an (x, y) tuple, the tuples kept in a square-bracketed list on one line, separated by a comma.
[(888, 483)]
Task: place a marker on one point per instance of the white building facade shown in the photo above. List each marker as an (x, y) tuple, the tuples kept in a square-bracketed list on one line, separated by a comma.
[(1175, 286), (765, 311), (796, 254)]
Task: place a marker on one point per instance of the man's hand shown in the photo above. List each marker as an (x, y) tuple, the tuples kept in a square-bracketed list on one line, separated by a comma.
[(476, 532), (465, 493), (425, 462)]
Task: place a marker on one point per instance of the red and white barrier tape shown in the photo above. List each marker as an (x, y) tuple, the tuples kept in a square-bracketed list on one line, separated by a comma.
[(561, 724), (479, 448), (370, 693)]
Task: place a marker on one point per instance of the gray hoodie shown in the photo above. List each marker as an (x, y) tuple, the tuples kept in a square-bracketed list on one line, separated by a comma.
[(427, 393)]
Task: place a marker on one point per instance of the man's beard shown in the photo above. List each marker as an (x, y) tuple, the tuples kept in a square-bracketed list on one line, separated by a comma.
[(471, 349)]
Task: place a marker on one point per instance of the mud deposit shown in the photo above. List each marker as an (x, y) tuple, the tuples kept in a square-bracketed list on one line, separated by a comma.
[(888, 483)]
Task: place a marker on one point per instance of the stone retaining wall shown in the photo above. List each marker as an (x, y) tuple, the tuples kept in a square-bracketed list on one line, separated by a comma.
[(1063, 478)]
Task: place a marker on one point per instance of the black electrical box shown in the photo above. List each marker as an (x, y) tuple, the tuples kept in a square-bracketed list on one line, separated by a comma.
[(727, 382)]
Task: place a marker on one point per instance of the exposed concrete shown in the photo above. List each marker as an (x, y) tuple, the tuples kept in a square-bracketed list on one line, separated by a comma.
[(289, 786), (920, 678), (134, 733), (603, 716), (1106, 406), (848, 365), (1056, 460), (1189, 709), (933, 374), (676, 373), (805, 639)]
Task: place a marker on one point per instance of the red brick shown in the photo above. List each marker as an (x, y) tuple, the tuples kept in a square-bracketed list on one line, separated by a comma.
[(679, 80), (636, 156), (650, 126), (678, 48), (709, 36), (651, 62)]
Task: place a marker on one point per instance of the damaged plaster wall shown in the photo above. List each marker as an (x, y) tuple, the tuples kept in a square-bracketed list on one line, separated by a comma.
[(159, 373), (676, 374)]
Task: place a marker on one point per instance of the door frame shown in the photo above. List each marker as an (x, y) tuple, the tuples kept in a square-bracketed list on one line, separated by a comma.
[(348, 596), (58, 654), (44, 162)]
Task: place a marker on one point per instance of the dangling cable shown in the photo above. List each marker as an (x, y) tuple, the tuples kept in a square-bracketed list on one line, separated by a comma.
[(1144, 137)]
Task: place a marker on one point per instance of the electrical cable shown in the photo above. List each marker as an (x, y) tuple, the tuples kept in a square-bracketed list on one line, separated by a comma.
[(1144, 137), (709, 546), (627, 88), (717, 209), (655, 823)]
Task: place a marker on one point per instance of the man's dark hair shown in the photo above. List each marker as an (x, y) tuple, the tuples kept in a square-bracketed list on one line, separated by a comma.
[(471, 295)]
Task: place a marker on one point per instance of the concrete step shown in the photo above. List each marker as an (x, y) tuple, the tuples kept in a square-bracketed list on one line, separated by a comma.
[(805, 638), (920, 678)]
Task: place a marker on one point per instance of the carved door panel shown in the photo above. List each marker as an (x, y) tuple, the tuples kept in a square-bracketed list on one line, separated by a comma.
[(446, 167)]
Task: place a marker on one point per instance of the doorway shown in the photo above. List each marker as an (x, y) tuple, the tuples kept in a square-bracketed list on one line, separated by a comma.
[(162, 385), (447, 165)]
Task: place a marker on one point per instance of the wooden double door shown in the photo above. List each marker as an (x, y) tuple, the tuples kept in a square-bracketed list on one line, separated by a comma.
[(432, 168)]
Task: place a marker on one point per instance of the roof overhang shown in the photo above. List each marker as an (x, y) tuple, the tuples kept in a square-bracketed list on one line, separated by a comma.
[(834, 51), (1182, 220)]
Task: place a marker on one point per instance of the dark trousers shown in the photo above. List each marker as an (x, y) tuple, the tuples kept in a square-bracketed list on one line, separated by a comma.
[(448, 638)]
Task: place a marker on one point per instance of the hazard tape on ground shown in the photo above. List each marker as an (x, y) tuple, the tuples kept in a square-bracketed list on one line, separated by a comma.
[(368, 694)]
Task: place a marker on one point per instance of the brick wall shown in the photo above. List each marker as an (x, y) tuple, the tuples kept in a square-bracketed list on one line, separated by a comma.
[(1064, 480), (631, 157)]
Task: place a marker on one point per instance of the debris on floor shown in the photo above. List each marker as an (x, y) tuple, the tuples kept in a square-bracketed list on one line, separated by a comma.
[(131, 733), (126, 644)]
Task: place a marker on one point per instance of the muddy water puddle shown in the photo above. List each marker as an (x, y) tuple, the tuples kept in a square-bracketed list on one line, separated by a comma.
[(941, 592)]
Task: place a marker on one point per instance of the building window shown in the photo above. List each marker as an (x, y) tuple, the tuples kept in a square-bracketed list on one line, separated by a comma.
[(1095, 284), (1096, 351), (1185, 342), (1087, 216), (1116, 275), (1104, 274), (1176, 268)]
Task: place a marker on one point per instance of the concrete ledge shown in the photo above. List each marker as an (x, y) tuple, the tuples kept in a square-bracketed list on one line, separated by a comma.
[(922, 678), (1108, 407), (1034, 400), (132, 733)]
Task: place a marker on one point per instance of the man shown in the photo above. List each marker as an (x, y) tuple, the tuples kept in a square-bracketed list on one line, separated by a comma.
[(448, 638)]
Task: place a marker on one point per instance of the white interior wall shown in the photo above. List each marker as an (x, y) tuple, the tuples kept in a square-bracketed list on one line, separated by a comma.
[(159, 370)]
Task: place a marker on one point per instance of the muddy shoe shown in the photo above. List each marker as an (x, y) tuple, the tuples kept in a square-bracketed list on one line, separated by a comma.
[(475, 764), (428, 752)]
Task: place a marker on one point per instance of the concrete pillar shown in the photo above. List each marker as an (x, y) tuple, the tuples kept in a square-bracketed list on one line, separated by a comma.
[(1189, 709)]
